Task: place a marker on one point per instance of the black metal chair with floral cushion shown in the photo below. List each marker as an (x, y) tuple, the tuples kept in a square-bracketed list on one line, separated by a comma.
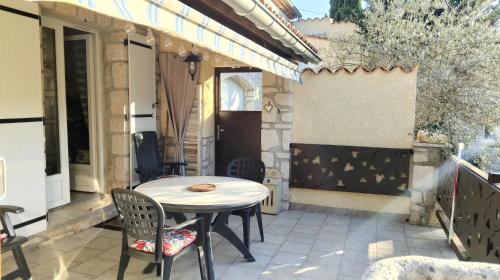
[(143, 219), (253, 170), (149, 164), (12, 242)]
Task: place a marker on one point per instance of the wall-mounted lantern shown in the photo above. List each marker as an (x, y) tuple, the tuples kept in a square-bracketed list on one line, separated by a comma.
[(192, 59)]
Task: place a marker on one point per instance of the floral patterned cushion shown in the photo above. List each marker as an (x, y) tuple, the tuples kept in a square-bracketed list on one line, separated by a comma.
[(173, 242)]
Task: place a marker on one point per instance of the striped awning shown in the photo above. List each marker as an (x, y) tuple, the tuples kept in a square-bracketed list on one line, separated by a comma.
[(180, 20)]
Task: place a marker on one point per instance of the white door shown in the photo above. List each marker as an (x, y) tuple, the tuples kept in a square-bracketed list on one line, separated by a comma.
[(54, 102), (142, 92), (21, 115), (80, 93)]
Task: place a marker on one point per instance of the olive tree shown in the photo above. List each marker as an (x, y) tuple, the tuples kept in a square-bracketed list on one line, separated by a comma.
[(455, 49)]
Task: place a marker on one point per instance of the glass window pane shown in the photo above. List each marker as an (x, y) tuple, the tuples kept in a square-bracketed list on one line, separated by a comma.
[(75, 55), (241, 91), (51, 117)]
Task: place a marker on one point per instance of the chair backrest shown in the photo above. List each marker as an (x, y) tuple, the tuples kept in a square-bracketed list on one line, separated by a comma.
[(147, 152), (142, 217), (247, 168)]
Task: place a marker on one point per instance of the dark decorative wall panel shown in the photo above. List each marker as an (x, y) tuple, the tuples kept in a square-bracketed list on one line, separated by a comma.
[(477, 213), (350, 169)]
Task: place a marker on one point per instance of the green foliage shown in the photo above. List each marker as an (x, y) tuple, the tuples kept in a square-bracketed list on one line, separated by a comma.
[(457, 51), (346, 10)]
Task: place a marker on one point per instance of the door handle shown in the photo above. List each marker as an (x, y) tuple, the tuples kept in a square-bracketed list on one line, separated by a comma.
[(219, 130)]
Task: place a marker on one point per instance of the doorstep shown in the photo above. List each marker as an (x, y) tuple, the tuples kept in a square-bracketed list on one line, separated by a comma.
[(74, 218)]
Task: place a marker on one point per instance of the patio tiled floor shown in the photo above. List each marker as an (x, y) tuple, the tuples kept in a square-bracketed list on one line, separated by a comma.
[(298, 246)]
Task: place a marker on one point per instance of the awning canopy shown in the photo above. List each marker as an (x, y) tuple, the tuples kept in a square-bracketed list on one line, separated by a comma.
[(180, 20)]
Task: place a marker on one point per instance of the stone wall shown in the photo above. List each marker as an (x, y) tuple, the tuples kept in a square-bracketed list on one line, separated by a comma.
[(207, 157), (192, 138), (276, 130), (116, 126), (426, 161)]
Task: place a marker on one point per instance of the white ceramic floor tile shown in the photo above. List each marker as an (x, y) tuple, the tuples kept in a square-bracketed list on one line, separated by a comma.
[(266, 249), (261, 262), (331, 259), (277, 229), (331, 236), (335, 228), (307, 229), (291, 214), (284, 258), (392, 245), (390, 235), (425, 252), (301, 237), (421, 243), (328, 247), (318, 271), (239, 273), (298, 246), (281, 272), (353, 269), (94, 266), (277, 239), (284, 221), (365, 257), (295, 247)]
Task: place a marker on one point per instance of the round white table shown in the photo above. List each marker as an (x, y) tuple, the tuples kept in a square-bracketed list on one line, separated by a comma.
[(230, 194)]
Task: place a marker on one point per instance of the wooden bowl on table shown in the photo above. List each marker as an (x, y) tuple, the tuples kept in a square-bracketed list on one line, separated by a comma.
[(202, 188)]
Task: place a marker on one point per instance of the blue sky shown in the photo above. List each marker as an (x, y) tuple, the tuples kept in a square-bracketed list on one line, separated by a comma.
[(312, 8), (315, 8)]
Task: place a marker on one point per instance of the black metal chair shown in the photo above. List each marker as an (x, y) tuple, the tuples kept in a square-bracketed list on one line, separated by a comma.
[(143, 219), (149, 164), (13, 243), (253, 170)]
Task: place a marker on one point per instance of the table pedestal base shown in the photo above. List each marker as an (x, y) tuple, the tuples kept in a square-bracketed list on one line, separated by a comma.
[(220, 226)]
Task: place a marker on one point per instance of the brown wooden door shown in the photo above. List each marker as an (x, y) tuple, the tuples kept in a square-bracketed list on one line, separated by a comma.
[(238, 115)]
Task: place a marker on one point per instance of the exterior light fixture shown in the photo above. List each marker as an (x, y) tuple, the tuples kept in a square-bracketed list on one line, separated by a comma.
[(150, 37), (195, 50), (192, 59)]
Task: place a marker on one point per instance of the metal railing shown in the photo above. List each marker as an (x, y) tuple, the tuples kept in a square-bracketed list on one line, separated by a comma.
[(476, 222)]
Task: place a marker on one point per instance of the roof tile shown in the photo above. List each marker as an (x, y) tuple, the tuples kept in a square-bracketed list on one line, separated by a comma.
[(289, 25), (352, 70)]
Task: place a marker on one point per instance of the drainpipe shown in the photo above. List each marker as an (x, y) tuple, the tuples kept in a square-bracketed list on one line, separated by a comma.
[(264, 19)]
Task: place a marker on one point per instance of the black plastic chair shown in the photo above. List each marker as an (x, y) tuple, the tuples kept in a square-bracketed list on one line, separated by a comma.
[(143, 219), (149, 164), (253, 170), (13, 243)]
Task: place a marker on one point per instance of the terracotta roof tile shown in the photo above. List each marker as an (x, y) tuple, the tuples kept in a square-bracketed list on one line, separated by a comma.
[(289, 25), (352, 70), (320, 19), (317, 36), (288, 8)]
